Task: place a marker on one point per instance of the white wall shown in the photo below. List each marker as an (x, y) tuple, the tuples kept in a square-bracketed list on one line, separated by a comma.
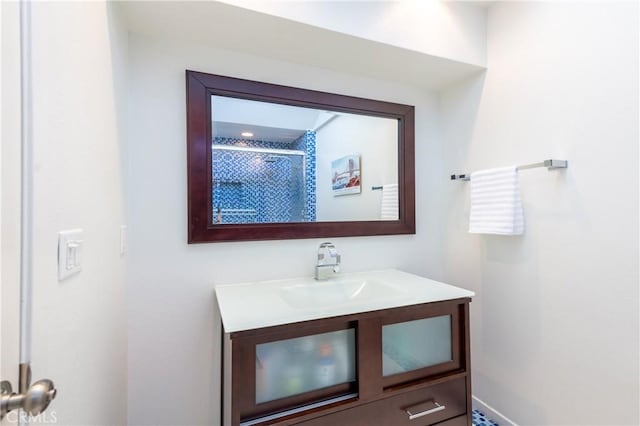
[(555, 320), (173, 341), (79, 325), (447, 29), (375, 139)]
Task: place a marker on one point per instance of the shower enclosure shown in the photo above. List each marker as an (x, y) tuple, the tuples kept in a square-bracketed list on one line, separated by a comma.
[(258, 185)]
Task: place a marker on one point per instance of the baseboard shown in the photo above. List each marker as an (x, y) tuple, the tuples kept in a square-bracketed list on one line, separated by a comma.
[(491, 413)]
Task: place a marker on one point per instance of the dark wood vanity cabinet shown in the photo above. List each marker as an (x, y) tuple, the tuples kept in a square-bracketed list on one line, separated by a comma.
[(403, 366), (392, 410)]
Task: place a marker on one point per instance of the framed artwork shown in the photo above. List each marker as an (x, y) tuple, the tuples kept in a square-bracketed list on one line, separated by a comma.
[(345, 175)]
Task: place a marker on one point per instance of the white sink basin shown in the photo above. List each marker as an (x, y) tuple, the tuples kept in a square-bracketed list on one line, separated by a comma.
[(336, 292), (259, 304)]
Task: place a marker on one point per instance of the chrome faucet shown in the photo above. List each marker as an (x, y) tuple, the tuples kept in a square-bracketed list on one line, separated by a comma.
[(328, 264)]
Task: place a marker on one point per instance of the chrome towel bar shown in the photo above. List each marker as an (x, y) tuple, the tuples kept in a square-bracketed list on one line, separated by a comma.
[(549, 164)]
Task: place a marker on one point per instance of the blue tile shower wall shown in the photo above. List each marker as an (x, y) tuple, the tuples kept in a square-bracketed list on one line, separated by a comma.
[(255, 187), (307, 143)]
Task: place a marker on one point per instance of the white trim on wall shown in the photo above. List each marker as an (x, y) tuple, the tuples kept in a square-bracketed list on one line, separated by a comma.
[(491, 412)]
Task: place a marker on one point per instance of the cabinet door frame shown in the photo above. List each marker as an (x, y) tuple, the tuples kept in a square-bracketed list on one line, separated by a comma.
[(419, 312), (243, 373), (369, 384)]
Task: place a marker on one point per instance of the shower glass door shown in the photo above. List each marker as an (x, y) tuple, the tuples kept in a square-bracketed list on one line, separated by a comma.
[(258, 185)]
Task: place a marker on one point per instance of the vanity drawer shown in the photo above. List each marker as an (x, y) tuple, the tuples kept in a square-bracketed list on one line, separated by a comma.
[(427, 406), (457, 421)]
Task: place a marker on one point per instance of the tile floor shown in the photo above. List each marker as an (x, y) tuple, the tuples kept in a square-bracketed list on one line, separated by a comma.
[(479, 419)]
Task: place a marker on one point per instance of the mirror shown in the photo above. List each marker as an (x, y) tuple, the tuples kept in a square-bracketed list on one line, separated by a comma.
[(276, 162)]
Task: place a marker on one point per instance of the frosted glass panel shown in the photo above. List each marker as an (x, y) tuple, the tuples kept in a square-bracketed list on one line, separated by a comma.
[(303, 364), (417, 344)]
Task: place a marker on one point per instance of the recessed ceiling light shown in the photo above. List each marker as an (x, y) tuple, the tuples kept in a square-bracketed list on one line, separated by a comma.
[(246, 134)]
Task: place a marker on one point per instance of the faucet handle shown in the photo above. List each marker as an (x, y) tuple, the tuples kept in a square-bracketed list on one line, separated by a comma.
[(328, 261), (327, 249)]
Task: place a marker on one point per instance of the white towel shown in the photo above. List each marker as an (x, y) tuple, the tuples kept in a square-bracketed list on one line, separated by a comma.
[(389, 202), (495, 202)]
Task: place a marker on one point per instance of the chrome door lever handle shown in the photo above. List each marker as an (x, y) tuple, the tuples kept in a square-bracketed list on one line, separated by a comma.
[(34, 399)]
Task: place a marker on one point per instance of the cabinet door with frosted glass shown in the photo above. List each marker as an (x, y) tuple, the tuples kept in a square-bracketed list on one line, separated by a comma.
[(298, 368), (415, 346)]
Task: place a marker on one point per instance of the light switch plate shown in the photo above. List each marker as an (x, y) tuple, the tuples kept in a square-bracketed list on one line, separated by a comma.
[(69, 253)]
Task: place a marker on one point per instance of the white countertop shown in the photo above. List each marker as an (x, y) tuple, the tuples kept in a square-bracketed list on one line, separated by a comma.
[(247, 306)]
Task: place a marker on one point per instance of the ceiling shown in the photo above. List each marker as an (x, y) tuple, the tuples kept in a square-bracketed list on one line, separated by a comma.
[(267, 121), (233, 28), (260, 133)]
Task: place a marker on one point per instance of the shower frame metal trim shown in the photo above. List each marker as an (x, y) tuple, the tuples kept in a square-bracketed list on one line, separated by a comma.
[(253, 149)]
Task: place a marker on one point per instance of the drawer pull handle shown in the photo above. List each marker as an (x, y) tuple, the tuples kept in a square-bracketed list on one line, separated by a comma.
[(411, 411)]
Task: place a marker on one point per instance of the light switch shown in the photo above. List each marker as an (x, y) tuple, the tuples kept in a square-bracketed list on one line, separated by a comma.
[(69, 253)]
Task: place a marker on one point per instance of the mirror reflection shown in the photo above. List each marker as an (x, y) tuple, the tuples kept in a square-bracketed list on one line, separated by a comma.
[(274, 163)]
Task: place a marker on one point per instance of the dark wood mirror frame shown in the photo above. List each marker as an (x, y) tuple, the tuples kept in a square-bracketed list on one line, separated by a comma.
[(200, 88)]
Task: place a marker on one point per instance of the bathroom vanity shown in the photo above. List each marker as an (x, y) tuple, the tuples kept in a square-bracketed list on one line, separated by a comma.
[(374, 348)]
